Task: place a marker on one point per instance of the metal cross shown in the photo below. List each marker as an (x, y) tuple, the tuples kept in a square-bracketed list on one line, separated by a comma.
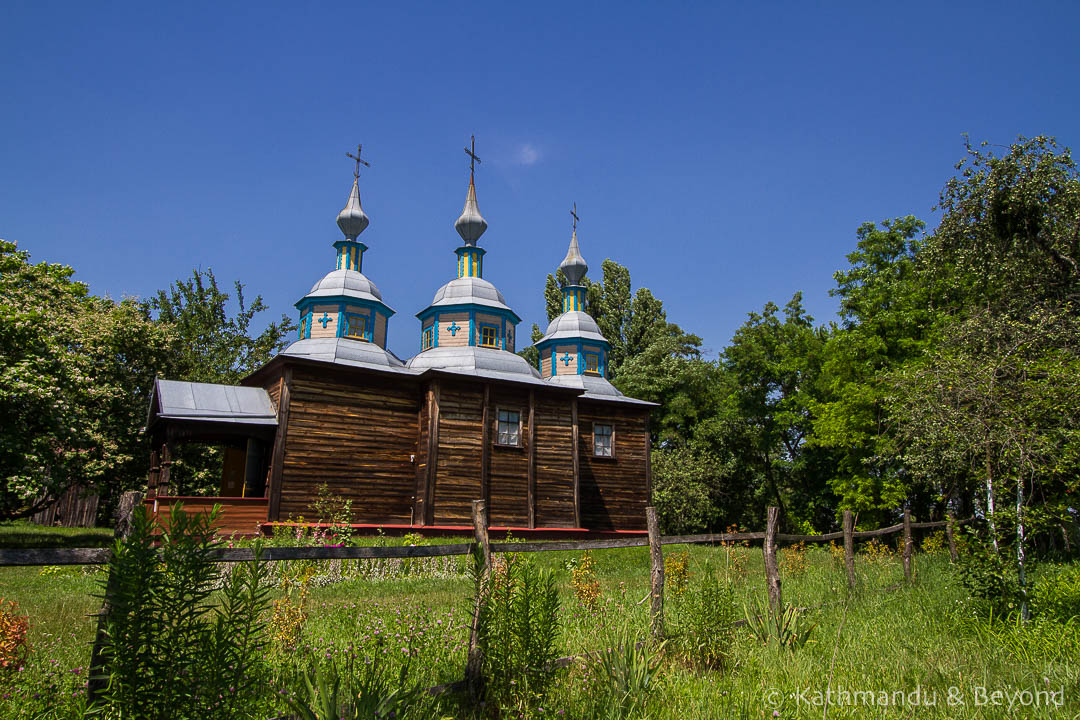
[(359, 162), (324, 319), (566, 359), (473, 158), (574, 214), (454, 328)]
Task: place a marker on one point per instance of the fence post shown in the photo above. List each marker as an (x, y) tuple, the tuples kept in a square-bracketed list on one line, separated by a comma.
[(949, 520), (907, 545), (849, 547), (474, 664), (97, 679), (656, 555), (772, 571)]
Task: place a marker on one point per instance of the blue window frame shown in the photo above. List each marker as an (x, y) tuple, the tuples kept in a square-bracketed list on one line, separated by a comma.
[(429, 337)]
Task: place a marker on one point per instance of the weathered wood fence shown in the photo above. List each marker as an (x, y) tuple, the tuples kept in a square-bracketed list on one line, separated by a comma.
[(770, 540)]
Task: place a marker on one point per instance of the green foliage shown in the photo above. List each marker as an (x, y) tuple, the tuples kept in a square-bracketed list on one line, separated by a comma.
[(1057, 596), (625, 671), (357, 691), (519, 627), (172, 651), (75, 378), (705, 618), (989, 576), (787, 628)]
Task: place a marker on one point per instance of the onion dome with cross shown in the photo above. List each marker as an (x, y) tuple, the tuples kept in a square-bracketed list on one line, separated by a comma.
[(573, 351), (468, 326), (343, 318)]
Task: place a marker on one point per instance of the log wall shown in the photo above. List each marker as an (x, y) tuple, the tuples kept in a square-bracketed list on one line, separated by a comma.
[(457, 481), (356, 433), (554, 463), (614, 491), (509, 470)]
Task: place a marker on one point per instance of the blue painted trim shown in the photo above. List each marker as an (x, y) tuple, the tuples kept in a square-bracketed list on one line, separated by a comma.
[(307, 302), (472, 328), (436, 326), (466, 307)]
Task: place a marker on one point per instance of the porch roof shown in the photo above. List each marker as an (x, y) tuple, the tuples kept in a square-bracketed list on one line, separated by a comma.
[(208, 402)]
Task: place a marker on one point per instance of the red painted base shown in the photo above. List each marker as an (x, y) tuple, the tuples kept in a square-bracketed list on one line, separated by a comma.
[(496, 533)]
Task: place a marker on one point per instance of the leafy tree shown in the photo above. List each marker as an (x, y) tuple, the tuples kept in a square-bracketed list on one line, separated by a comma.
[(75, 377), (210, 344), (1010, 233), (776, 365), (886, 317), (213, 343)]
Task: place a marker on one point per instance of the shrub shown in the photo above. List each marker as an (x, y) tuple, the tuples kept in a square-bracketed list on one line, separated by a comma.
[(1057, 596), (519, 626), (14, 629), (677, 572), (935, 543), (787, 628), (989, 576), (794, 560), (625, 671), (358, 691), (705, 617), (877, 551), (171, 650), (290, 611), (586, 586)]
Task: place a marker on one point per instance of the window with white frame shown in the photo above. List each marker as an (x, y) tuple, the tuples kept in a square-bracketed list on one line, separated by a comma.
[(603, 436), (509, 430)]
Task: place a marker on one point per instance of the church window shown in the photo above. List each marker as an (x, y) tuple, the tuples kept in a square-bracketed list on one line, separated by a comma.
[(602, 440), (304, 323), (356, 327), (429, 337), (509, 431), (592, 363), (489, 336)]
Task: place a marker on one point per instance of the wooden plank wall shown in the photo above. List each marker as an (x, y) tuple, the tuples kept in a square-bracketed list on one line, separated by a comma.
[(73, 508), (554, 462), (239, 515), (614, 492), (508, 504), (460, 452), (356, 433)]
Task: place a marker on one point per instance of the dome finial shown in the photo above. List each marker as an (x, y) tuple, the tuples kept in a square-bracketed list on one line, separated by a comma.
[(573, 265), (471, 225), (352, 219)]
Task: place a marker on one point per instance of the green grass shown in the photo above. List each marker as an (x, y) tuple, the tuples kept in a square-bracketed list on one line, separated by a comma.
[(887, 637), (22, 534)]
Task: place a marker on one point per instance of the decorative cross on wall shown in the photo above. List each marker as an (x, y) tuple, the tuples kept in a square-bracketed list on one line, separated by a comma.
[(325, 319), (454, 327), (566, 359)]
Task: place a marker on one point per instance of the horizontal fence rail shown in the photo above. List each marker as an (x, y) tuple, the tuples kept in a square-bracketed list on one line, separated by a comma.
[(100, 556)]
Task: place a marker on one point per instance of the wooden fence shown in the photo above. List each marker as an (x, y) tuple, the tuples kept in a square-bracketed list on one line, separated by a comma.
[(770, 540)]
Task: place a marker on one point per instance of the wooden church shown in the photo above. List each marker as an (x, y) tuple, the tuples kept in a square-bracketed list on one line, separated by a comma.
[(413, 443)]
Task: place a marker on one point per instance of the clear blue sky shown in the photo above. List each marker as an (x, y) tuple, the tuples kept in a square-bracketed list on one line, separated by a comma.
[(725, 153)]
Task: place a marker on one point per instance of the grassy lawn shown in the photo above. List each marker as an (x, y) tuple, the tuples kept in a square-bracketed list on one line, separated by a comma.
[(21, 534), (885, 638)]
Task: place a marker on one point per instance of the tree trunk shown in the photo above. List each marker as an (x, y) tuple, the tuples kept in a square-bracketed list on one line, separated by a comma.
[(1020, 574)]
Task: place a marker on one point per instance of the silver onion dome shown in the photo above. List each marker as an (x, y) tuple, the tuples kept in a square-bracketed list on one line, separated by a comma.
[(573, 265), (352, 219), (471, 225)]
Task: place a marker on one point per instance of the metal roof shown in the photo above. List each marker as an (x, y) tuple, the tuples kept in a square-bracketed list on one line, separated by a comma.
[(471, 224), (346, 351), (573, 325), (573, 265), (469, 291), (181, 400), (478, 362), (596, 388), (352, 220), (345, 283)]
